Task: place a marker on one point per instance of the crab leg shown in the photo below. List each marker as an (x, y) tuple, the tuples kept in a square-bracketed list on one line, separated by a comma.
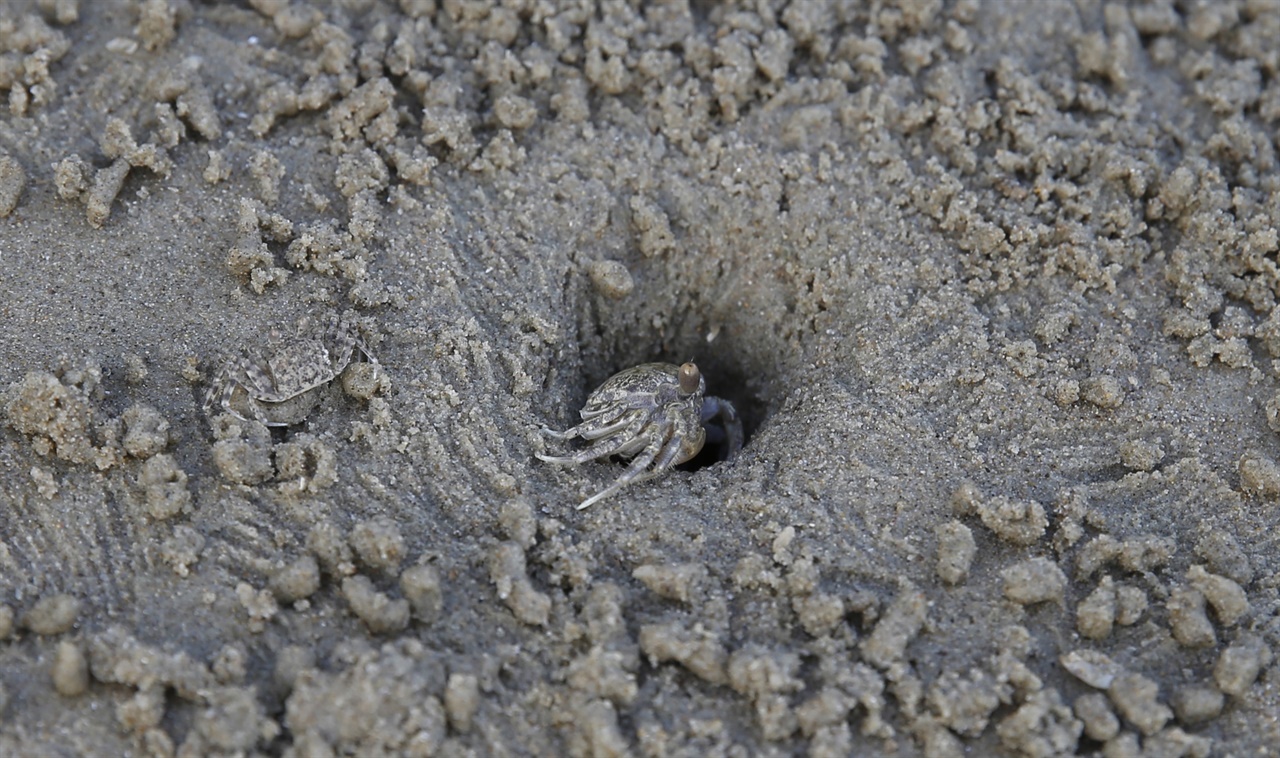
[(567, 434), (665, 460), (601, 449), (220, 393), (215, 392), (588, 414), (637, 467), (623, 421), (584, 431)]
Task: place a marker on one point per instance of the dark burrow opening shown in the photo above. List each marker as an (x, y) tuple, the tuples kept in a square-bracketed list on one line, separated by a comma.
[(747, 397), (700, 311)]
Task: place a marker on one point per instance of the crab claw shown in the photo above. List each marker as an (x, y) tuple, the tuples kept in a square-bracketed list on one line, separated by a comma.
[(729, 428)]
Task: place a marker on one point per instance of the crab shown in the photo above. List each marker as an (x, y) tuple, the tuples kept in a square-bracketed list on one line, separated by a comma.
[(657, 415), (282, 388)]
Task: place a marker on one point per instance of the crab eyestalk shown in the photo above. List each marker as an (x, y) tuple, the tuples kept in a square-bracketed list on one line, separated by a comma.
[(689, 378)]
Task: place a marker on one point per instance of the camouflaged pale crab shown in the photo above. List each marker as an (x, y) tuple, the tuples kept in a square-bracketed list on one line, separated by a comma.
[(655, 414), (282, 388)]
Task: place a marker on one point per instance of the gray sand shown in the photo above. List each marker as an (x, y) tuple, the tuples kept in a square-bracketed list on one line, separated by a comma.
[(993, 284)]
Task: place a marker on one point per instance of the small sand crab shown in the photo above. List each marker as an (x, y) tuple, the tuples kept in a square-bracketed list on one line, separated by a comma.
[(280, 389), (654, 414)]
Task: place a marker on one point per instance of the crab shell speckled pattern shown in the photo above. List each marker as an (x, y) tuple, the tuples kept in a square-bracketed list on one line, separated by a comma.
[(648, 389), (280, 390), (652, 413)]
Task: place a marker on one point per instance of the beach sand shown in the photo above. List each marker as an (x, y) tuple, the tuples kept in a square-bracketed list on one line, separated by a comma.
[(992, 284)]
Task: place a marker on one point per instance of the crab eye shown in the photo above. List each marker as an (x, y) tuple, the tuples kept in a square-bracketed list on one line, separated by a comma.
[(689, 377)]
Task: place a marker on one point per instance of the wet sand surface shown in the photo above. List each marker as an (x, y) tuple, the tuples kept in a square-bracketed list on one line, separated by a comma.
[(992, 285)]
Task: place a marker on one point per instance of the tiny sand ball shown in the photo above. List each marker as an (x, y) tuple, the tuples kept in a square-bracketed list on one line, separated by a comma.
[(611, 279)]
